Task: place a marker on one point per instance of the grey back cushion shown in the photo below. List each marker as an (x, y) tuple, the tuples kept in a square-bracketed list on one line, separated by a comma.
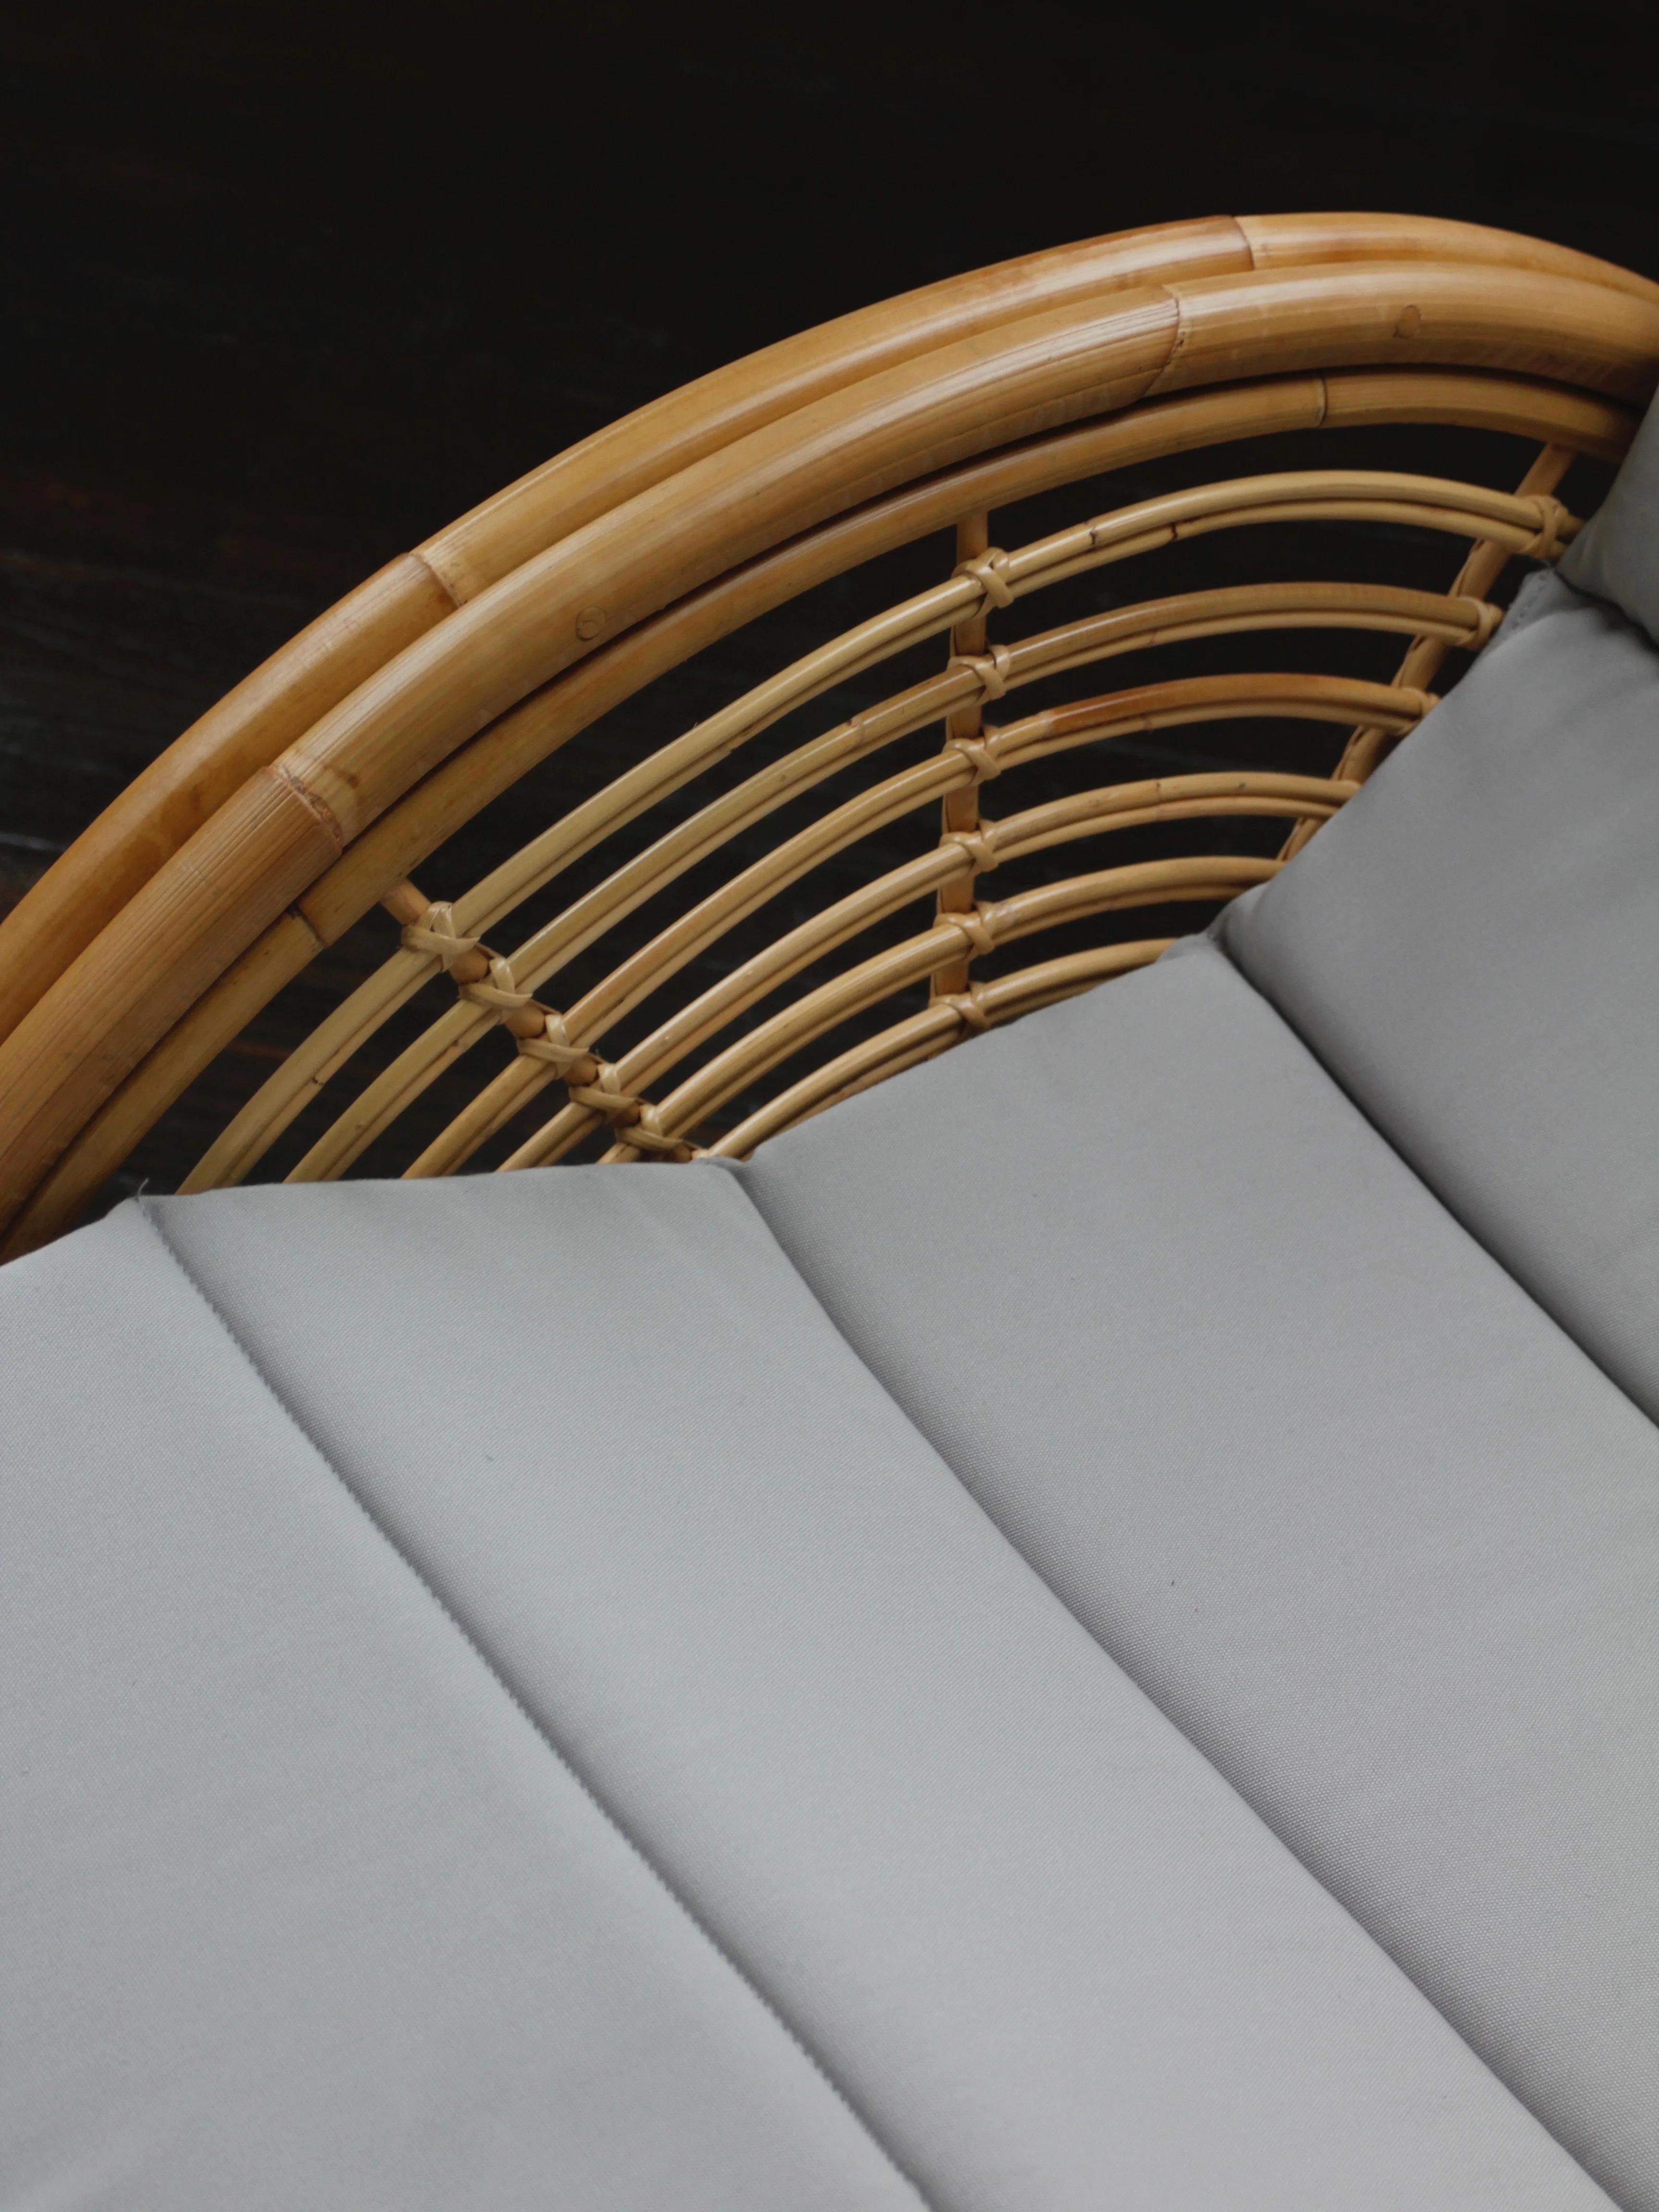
[(1616, 556), (1472, 949)]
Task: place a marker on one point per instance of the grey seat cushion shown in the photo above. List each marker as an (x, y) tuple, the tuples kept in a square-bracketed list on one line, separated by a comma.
[(502, 1707), (298, 1907), (1368, 1526), (1472, 949)]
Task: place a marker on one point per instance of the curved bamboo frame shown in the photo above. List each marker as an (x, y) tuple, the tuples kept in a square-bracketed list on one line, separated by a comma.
[(316, 787)]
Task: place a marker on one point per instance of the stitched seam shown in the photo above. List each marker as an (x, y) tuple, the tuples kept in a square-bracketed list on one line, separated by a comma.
[(448, 1613), (735, 1168)]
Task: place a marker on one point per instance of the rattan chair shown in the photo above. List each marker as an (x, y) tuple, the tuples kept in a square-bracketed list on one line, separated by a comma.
[(1079, 1629), (318, 787)]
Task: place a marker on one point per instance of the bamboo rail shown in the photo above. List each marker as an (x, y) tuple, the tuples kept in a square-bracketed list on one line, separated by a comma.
[(313, 792)]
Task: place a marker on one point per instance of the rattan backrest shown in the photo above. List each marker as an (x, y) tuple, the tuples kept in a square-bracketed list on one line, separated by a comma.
[(320, 786)]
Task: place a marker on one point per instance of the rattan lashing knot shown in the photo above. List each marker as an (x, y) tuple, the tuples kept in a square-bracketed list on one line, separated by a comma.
[(980, 845), (602, 1092), (501, 995), (990, 670), (1556, 524), (495, 988), (974, 926), (980, 755), (645, 1133), (551, 1043), (634, 1121), (598, 1084), (435, 935), (989, 570), (969, 1006)]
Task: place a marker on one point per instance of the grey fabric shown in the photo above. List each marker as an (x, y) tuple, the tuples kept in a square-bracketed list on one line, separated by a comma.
[(1472, 949), (297, 1906), (1616, 555), (1362, 1520), (1542, 593), (1048, 1955)]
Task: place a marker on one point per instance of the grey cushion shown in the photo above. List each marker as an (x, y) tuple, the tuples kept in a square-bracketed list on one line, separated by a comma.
[(1472, 948), (1364, 1521), (298, 1906), (1084, 1629), (1616, 555), (529, 1738)]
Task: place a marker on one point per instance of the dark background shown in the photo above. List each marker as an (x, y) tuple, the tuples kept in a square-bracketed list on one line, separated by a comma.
[(289, 285)]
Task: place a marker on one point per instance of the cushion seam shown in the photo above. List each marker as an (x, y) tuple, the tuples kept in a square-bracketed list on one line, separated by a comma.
[(1217, 936), (612, 1820), (1017, 1552)]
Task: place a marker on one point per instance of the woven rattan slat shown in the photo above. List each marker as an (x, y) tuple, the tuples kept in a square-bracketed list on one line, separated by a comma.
[(535, 962), (325, 782), (373, 866), (321, 667), (1126, 629)]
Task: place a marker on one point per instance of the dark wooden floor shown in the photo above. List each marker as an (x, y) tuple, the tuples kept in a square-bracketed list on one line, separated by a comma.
[(289, 284)]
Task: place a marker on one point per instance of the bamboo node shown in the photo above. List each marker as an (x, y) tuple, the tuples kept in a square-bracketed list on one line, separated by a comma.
[(990, 670), (969, 1006), (989, 570), (435, 935)]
